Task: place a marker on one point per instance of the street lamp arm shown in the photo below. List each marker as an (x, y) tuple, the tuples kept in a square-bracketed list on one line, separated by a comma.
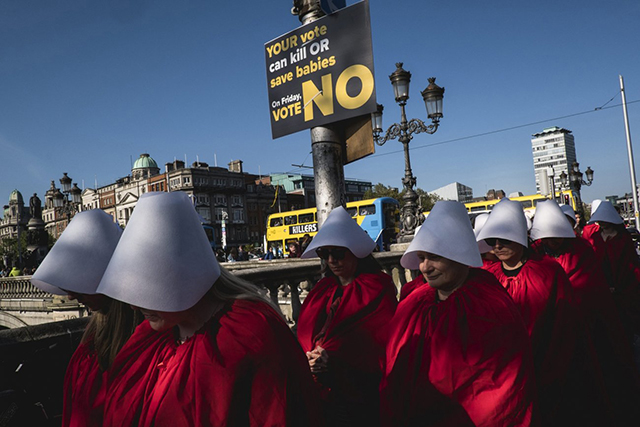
[(418, 126), (393, 132)]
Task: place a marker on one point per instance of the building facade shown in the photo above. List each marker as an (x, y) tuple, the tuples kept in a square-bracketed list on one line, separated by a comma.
[(553, 149), (455, 191), (305, 186)]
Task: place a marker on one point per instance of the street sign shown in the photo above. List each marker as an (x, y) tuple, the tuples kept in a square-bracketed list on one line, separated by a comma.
[(322, 72)]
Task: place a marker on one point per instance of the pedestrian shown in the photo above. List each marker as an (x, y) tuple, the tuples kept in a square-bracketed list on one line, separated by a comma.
[(15, 272), (343, 322), (306, 240), (617, 256), (212, 351), (294, 249), (84, 249), (608, 374), (459, 352), (542, 291)]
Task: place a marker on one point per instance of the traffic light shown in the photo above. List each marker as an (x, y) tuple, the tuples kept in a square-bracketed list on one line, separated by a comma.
[(566, 199)]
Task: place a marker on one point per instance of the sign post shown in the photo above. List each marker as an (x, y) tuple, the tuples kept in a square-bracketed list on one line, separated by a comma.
[(317, 75)]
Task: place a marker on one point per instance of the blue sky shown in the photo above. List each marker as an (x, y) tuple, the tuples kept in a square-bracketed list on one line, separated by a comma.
[(85, 87)]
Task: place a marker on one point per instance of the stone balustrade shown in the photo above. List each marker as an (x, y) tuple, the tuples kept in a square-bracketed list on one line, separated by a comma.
[(285, 281)]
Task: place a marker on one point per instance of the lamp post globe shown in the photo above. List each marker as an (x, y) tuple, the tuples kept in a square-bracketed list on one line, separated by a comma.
[(412, 215)]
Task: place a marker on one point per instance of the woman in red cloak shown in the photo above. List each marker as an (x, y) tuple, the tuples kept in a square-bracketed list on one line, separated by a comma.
[(542, 291), (343, 323), (74, 267), (619, 261), (459, 353), (608, 358), (212, 350)]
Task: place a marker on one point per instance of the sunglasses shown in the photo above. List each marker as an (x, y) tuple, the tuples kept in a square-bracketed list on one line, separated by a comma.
[(492, 242), (336, 253)]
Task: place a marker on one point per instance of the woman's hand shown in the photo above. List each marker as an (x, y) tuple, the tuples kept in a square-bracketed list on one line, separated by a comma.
[(318, 360)]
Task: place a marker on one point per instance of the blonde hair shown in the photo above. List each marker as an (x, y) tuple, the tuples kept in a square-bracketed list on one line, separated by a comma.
[(110, 329)]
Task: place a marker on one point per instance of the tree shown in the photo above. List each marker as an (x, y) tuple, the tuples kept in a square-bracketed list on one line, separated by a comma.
[(9, 250), (381, 190), (426, 200)]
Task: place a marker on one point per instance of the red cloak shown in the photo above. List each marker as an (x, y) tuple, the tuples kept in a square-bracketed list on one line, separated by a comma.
[(411, 286), (355, 341), (621, 268), (463, 361), (83, 389), (243, 368), (608, 356), (542, 292)]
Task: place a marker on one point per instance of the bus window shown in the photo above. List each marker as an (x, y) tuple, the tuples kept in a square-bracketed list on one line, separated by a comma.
[(305, 218), (290, 220), (352, 211), (275, 222), (480, 208), (367, 210)]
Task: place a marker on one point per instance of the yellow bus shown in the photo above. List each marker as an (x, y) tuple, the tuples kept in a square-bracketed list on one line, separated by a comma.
[(380, 218), (528, 203)]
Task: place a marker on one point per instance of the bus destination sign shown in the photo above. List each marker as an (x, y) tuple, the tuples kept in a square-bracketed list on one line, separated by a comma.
[(321, 72), (302, 229)]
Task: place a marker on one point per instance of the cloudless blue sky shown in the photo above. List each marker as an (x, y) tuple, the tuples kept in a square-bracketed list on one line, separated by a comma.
[(85, 87)]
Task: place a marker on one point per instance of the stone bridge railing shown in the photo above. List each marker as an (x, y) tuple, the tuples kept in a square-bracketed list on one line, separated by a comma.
[(286, 282)]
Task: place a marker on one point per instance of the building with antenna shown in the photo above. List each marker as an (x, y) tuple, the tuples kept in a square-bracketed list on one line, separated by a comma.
[(553, 149)]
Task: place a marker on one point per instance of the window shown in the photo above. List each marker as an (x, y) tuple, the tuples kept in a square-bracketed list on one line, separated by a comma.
[(238, 215), (352, 211), (236, 200), (305, 218), (367, 210), (275, 222), (290, 220), (220, 199)]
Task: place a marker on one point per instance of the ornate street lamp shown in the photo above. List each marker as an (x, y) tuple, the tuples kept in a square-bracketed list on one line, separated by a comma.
[(575, 181), (403, 131), (66, 202)]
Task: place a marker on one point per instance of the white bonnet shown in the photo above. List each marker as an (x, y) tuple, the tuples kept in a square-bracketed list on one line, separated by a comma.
[(79, 258), (550, 222), (164, 260), (340, 229), (446, 232), (507, 221), (606, 213)]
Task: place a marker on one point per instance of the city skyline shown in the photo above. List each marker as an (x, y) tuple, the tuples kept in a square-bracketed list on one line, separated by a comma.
[(88, 88)]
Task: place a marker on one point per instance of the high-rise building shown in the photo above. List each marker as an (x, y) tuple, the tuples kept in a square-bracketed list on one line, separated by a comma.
[(553, 148)]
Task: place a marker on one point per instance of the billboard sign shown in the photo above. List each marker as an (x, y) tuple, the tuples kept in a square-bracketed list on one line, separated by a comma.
[(322, 72)]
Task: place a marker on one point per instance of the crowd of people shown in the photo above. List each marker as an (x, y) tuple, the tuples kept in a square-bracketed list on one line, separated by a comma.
[(508, 323)]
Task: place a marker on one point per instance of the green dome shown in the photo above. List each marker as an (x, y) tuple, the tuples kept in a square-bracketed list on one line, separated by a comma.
[(16, 197), (145, 161)]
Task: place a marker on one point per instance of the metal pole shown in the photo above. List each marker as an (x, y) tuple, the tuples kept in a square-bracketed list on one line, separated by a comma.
[(632, 168), (326, 147), (328, 171)]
